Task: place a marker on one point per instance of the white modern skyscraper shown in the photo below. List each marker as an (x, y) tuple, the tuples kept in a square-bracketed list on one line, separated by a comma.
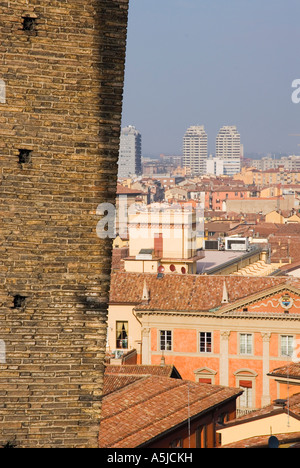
[(195, 149), (130, 154), (228, 148)]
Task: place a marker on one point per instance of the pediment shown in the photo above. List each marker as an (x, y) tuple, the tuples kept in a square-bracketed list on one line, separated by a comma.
[(283, 299), (205, 371)]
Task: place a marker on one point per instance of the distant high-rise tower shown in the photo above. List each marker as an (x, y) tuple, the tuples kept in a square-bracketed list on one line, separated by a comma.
[(130, 155), (195, 150), (228, 148)]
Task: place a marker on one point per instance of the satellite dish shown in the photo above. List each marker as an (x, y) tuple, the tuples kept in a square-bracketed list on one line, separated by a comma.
[(161, 269), (273, 442)]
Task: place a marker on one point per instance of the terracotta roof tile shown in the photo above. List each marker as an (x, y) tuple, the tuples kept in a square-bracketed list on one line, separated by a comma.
[(112, 383), (153, 405), (292, 371), (140, 370), (262, 441), (294, 408), (121, 190), (191, 293)]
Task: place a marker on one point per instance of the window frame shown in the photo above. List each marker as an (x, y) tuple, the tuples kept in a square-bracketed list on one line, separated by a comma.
[(287, 345), (246, 344), (122, 339), (160, 342), (205, 343), (176, 443), (201, 436)]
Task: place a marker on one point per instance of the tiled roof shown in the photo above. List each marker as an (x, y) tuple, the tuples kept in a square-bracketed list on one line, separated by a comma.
[(292, 371), (294, 409), (119, 376), (149, 407), (291, 266), (263, 441), (190, 293), (113, 383), (141, 370), (290, 229), (121, 190)]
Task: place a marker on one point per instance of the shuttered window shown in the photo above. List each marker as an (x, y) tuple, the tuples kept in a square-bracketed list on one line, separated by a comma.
[(287, 345), (246, 343), (166, 340)]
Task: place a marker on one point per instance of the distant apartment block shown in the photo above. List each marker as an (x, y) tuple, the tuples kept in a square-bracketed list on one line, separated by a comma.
[(195, 150), (214, 166), (269, 177), (289, 163), (130, 154), (229, 149)]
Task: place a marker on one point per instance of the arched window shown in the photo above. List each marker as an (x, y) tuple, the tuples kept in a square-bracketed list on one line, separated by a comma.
[(246, 380)]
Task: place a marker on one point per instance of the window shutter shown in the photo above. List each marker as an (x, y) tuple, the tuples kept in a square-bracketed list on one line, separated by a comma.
[(246, 383), (207, 381)]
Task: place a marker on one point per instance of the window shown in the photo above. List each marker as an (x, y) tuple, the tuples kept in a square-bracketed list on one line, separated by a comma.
[(201, 437), (204, 381), (246, 343), (165, 340), (223, 418), (287, 345), (122, 335), (245, 401), (176, 443), (205, 342)]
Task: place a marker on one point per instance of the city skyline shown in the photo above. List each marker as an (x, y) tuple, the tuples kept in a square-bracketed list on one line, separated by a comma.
[(213, 64)]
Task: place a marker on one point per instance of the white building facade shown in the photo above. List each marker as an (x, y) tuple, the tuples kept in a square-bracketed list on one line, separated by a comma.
[(130, 154), (195, 150), (228, 149)]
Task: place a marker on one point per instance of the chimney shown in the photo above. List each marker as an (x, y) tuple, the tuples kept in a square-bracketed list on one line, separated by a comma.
[(279, 404), (146, 294), (225, 298)]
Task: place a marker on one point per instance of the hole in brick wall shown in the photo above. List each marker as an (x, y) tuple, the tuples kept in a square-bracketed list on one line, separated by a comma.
[(29, 24), (24, 156), (19, 301), (10, 445)]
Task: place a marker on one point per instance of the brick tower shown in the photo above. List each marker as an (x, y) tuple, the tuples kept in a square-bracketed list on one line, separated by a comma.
[(62, 74)]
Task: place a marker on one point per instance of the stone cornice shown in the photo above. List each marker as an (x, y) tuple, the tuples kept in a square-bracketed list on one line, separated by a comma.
[(258, 296), (241, 315)]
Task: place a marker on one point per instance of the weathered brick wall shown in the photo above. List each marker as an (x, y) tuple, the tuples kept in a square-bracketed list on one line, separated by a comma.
[(64, 84)]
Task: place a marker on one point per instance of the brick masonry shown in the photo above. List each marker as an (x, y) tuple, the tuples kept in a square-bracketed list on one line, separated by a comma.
[(63, 67)]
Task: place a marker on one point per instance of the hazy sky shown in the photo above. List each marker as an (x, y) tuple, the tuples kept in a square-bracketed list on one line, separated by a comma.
[(213, 63)]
